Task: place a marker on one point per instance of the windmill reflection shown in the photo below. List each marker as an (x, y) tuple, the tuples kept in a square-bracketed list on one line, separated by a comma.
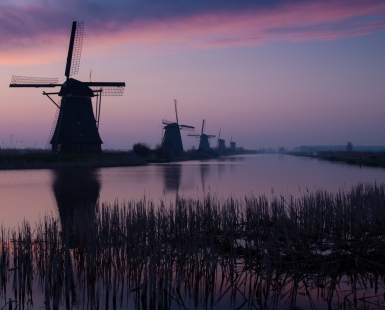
[(172, 175), (205, 171), (74, 189)]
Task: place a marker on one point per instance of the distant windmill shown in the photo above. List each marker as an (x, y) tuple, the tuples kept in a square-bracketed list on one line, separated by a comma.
[(233, 145), (204, 144), (220, 143), (172, 139), (75, 127)]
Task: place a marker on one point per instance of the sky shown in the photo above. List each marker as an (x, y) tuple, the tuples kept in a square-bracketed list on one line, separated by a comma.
[(266, 73)]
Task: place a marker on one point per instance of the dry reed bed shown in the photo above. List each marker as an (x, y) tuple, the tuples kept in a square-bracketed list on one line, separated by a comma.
[(254, 252)]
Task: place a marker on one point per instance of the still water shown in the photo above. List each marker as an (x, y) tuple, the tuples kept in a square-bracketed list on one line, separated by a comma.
[(30, 194)]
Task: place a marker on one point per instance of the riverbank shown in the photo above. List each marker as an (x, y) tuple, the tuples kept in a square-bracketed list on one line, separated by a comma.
[(163, 157), (372, 159), (42, 160)]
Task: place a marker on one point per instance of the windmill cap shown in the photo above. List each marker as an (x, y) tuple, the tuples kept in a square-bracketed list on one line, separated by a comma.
[(76, 88)]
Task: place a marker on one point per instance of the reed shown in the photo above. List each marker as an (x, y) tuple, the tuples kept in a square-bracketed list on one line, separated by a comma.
[(323, 248)]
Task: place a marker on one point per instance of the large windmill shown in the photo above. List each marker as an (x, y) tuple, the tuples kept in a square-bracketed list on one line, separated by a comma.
[(75, 127), (220, 143), (172, 139), (204, 144)]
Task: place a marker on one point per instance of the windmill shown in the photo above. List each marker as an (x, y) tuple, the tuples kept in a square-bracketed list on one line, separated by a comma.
[(220, 143), (204, 144), (172, 139), (75, 127), (233, 145)]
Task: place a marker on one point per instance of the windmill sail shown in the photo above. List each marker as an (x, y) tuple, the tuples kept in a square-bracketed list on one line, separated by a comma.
[(176, 112), (186, 128), (27, 81), (107, 88), (74, 49)]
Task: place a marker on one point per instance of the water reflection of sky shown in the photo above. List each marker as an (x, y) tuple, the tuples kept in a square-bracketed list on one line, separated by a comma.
[(29, 193)]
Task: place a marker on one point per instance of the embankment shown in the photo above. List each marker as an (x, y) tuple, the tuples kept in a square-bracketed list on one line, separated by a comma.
[(50, 161)]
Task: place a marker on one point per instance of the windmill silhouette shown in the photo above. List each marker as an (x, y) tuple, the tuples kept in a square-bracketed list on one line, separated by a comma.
[(75, 127), (220, 143), (233, 145), (204, 144), (172, 139)]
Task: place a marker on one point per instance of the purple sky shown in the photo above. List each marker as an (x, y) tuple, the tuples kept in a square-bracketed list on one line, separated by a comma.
[(282, 74)]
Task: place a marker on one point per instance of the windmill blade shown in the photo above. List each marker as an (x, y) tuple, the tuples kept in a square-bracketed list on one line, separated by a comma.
[(176, 111), (211, 136), (193, 135), (219, 136), (109, 90), (203, 127), (26, 81), (166, 122), (74, 49), (186, 128)]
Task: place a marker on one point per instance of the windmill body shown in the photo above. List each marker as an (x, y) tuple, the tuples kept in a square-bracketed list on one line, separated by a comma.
[(204, 143), (220, 143), (76, 130), (76, 127), (233, 145), (172, 139)]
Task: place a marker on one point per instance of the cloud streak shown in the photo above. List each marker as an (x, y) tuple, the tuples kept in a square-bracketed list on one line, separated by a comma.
[(34, 32)]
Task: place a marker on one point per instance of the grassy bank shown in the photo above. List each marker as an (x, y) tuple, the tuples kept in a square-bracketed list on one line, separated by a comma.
[(373, 159), (44, 160), (324, 250)]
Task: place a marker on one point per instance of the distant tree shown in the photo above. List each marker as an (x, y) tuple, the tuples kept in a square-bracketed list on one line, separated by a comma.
[(141, 149), (162, 152), (281, 150), (349, 147)]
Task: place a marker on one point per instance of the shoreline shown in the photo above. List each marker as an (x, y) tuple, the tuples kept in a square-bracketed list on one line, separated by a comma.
[(369, 159), (56, 161)]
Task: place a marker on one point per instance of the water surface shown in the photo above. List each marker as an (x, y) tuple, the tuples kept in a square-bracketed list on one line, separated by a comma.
[(29, 194)]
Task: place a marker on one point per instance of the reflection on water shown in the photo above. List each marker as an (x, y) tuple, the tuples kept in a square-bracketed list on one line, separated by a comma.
[(205, 171), (29, 195), (172, 175), (75, 188)]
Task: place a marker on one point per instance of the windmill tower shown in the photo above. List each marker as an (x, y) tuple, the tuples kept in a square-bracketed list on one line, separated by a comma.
[(233, 145), (172, 139), (75, 127), (220, 143), (204, 144)]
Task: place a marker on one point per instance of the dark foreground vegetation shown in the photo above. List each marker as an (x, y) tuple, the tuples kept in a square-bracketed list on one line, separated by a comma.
[(14, 159), (321, 251), (374, 159)]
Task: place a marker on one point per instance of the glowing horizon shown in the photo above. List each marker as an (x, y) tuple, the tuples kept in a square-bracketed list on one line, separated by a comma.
[(282, 74)]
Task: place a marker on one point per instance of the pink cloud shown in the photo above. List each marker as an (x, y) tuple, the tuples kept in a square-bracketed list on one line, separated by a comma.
[(322, 20)]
